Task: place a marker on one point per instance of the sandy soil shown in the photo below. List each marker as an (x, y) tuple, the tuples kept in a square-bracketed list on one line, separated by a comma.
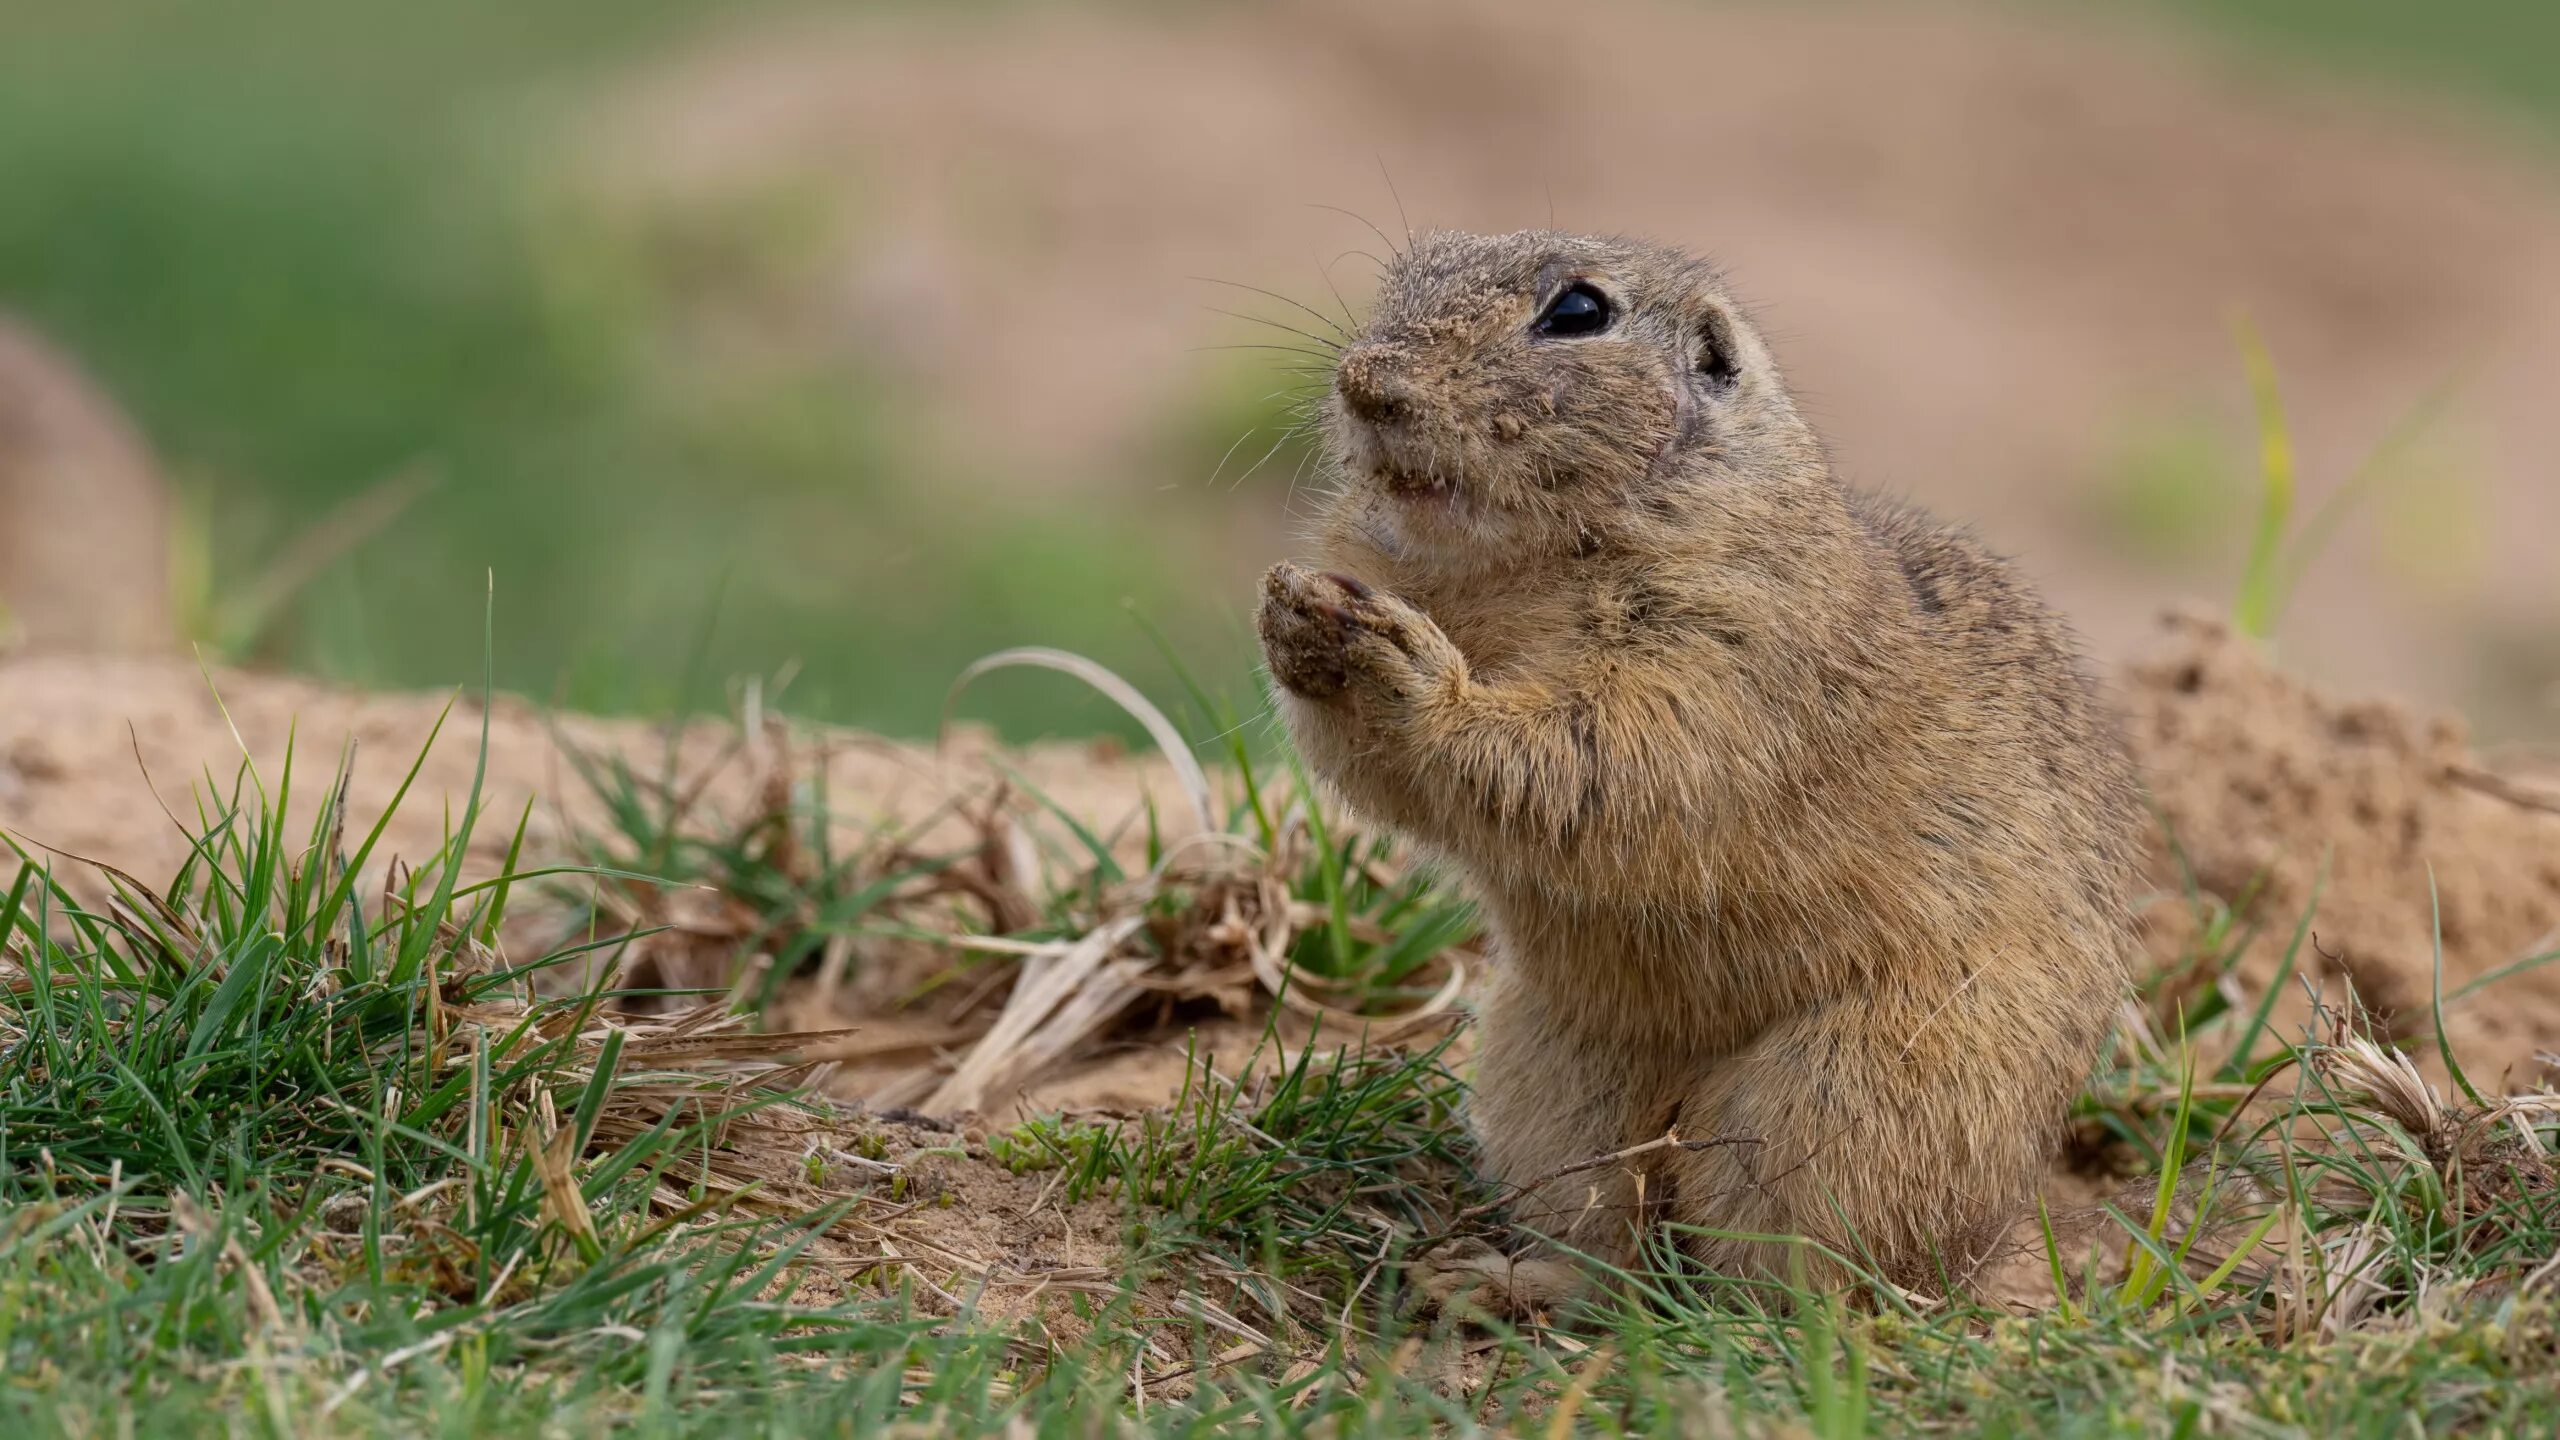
[(1995, 247), (100, 758), (2374, 822)]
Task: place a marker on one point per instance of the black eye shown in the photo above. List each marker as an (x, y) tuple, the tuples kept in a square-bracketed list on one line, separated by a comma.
[(1580, 310)]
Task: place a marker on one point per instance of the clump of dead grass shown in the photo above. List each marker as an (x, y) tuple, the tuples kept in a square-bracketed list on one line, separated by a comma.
[(1026, 935)]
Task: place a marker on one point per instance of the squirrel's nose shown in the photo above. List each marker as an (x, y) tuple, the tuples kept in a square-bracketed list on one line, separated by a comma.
[(1372, 388)]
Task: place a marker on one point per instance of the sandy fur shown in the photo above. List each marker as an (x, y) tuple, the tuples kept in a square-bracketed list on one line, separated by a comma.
[(1791, 810)]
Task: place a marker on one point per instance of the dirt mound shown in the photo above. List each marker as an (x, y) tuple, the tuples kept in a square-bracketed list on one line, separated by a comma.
[(104, 758), (2375, 825), (1999, 248), (84, 550)]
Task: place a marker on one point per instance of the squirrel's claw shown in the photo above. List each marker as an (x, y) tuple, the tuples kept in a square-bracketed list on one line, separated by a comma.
[(1320, 629)]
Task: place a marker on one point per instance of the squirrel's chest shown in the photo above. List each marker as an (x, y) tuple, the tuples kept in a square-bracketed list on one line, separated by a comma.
[(1656, 982), (1498, 632)]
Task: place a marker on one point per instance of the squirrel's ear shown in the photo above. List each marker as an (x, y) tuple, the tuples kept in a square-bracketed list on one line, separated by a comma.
[(1717, 347)]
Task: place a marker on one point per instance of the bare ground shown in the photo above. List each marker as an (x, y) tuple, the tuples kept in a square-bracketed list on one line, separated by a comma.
[(2371, 822)]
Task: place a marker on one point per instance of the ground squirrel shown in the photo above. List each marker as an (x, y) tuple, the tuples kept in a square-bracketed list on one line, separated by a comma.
[(1794, 817)]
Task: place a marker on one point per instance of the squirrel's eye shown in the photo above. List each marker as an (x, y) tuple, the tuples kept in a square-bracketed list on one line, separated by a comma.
[(1580, 310)]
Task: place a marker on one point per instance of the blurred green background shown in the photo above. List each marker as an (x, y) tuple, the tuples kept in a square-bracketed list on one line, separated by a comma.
[(317, 248), (308, 243)]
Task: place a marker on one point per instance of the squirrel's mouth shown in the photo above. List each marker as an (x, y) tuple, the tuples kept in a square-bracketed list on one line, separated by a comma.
[(1406, 472), (1414, 485)]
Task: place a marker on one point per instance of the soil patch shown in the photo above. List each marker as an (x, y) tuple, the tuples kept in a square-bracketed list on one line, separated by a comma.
[(2372, 822)]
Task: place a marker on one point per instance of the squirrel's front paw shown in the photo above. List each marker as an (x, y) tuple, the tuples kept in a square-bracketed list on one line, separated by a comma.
[(1306, 632), (1321, 632)]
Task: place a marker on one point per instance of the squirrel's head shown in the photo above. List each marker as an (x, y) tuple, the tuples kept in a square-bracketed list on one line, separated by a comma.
[(1522, 394)]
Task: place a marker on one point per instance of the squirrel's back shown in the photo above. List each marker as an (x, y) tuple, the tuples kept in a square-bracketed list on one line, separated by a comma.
[(2018, 671)]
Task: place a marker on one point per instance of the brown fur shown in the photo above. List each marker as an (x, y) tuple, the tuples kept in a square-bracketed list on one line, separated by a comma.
[(1791, 811)]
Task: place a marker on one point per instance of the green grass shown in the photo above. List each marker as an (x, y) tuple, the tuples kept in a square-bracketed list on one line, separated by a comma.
[(283, 1151), (2179, 490)]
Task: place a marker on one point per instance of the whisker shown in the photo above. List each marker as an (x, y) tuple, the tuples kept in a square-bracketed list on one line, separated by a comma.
[(1399, 199), (1289, 505), (1325, 272), (1324, 357), (1363, 254), (1363, 219), (1306, 335), (1320, 317), (1231, 450), (1238, 483)]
